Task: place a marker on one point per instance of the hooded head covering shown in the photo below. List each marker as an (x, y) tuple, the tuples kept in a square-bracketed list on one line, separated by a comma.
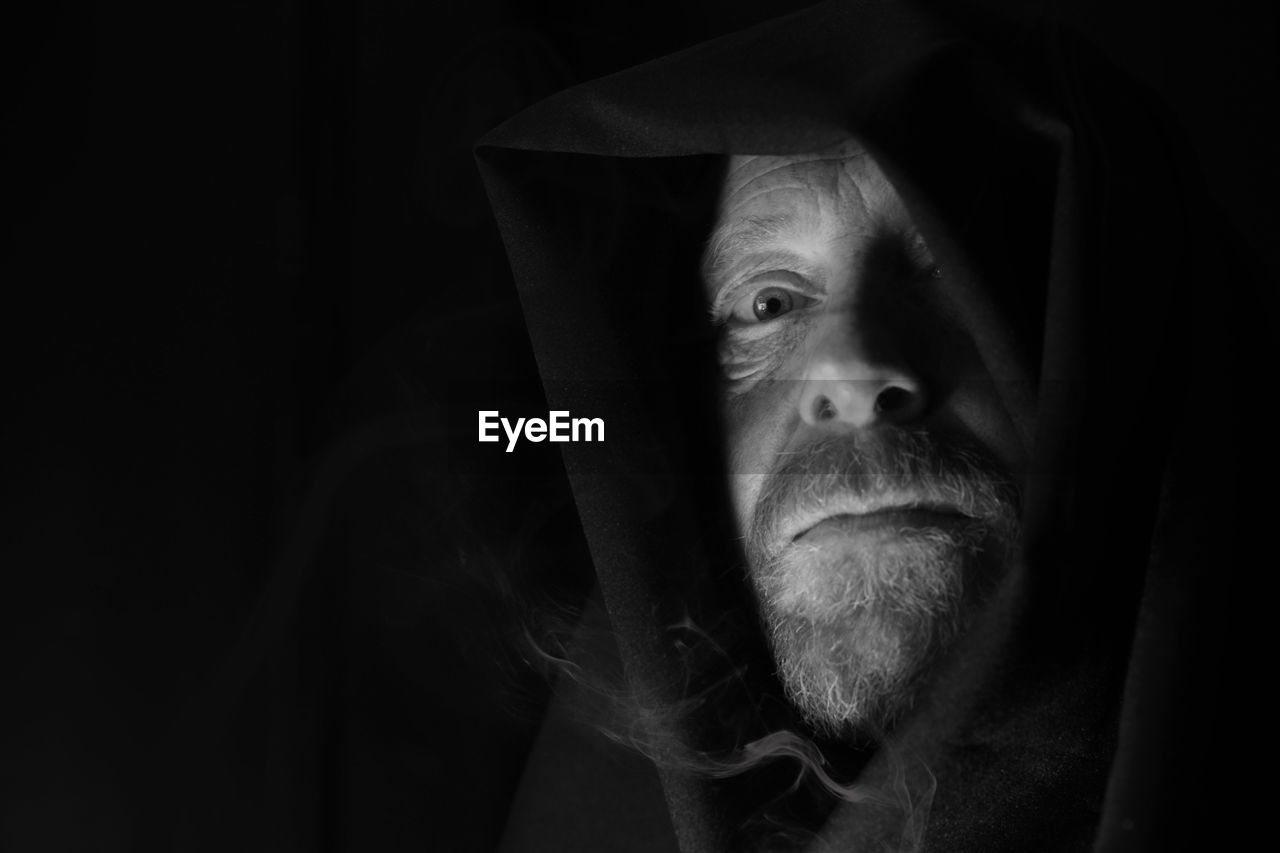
[(1077, 243)]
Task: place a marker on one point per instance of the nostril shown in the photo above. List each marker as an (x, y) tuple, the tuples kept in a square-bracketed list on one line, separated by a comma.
[(893, 399), (823, 409)]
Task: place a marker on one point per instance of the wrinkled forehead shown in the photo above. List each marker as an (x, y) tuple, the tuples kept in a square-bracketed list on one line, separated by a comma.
[(838, 184), (838, 169), (814, 197)]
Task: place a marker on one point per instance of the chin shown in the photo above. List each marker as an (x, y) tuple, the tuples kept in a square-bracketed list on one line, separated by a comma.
[(859, 679), (855, 628)]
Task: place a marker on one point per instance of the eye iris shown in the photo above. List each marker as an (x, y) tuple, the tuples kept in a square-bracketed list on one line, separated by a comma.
[(769, 304)]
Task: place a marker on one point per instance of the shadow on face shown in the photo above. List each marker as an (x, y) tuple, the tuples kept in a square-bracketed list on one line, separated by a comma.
[(871, 461)]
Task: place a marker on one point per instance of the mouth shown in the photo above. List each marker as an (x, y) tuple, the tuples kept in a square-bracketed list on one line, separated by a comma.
[(911, 516)]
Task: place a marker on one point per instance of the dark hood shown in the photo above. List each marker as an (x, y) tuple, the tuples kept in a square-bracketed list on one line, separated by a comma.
[(1078, 244)]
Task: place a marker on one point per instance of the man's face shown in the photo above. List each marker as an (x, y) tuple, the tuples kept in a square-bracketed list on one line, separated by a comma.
[(872, 464)]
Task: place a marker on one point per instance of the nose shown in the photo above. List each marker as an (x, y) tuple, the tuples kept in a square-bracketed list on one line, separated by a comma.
[(852, 377)]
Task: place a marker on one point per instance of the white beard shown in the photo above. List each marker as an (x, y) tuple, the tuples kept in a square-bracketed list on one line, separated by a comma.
[(856, 621), (854, 632)]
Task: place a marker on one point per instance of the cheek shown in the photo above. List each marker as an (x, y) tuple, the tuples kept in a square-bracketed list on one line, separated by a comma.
[(758, 430), (977, 404), (981, 407)]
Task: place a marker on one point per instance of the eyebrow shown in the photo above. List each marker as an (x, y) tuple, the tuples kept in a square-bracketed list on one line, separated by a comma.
[(739, 238)]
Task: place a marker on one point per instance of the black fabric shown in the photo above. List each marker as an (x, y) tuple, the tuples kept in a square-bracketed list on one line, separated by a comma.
[(1078, 243)]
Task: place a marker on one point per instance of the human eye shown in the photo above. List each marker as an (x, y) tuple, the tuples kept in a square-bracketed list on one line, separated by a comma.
[(766, 304), (760, 319), (764, 300), (919, 261)]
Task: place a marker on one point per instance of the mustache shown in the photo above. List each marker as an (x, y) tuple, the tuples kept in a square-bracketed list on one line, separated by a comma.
[(893, 468)]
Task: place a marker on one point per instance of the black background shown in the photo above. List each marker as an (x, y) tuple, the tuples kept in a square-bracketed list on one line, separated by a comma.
[(252, 300)]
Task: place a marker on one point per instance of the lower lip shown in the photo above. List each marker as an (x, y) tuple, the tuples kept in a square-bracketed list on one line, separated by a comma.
[(885, 522)]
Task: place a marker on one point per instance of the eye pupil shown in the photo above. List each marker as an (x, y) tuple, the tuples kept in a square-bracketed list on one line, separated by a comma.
[(770, 304)]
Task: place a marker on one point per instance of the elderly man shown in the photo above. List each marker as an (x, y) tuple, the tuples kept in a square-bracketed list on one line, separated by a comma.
[(872, 461), (912, 509)]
